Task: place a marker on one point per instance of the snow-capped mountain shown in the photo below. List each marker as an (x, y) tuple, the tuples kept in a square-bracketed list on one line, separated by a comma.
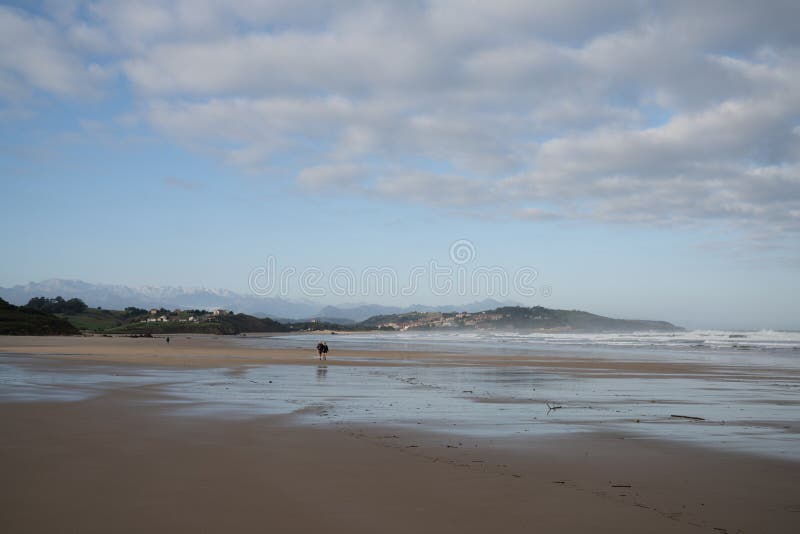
[(112, 296)]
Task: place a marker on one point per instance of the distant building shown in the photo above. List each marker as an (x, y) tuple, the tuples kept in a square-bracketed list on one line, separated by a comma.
[(153, 311), (162, 319)]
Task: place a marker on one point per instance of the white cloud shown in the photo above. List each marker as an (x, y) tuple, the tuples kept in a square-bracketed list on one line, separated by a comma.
[(34, 56), (653, 113), (333, 177), (437, 189)]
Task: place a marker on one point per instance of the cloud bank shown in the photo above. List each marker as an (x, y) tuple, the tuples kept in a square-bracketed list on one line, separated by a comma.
[(653, 113)]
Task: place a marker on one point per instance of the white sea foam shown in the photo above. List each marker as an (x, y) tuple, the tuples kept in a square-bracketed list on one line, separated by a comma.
[(750, 348)]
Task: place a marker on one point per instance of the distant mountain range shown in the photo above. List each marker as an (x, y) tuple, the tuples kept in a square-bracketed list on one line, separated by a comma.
[(118, 297)]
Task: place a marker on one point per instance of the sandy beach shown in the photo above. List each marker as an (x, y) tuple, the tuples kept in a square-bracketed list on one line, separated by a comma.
[(198, 350), (118, 458)]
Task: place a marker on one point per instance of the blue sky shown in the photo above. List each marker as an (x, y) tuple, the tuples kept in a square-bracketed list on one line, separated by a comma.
[(643, 157)]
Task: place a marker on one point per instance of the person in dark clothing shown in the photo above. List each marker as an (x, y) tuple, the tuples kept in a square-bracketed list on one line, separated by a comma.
[(324, 351), (320, 348)]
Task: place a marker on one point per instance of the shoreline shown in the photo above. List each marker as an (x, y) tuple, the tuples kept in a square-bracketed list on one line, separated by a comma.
[(210, 351)]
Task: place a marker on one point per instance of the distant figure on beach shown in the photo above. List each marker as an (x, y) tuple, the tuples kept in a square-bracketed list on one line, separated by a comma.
[(320, 347), (324, 351), (168, 340)]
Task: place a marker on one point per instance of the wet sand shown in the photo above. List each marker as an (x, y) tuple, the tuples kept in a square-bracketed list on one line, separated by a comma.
[(122, 461), (219, 351)]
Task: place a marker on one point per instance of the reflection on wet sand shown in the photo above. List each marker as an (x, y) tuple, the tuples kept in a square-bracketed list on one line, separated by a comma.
[(322, 372), (748, 410)]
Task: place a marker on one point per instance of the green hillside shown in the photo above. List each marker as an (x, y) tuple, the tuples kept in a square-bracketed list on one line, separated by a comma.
[(519, 319), (223, 324), (24, 321), (95, 320)]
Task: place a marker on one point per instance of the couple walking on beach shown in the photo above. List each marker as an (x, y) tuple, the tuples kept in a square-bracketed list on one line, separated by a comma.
[(322, 350)]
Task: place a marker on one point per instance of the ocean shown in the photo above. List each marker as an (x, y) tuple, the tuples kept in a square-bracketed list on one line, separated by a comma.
[(758, 347)]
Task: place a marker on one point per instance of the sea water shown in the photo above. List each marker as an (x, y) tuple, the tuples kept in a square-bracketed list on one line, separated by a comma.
[(750, 348)]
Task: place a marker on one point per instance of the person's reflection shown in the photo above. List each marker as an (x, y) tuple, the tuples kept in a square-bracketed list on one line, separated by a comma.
[(322, 372)]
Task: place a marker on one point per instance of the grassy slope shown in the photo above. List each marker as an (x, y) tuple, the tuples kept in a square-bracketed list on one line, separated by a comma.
[(21, 321), (539, 318), (95, 320), (229, 324)]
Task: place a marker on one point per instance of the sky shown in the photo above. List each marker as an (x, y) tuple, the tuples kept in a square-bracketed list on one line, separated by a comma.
[(634, 159)]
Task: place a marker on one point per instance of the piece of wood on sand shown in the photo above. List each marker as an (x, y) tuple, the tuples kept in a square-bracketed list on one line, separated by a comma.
[(693, 418)]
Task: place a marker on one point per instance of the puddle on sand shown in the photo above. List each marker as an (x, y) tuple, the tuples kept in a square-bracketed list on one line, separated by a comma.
[(748, 412)]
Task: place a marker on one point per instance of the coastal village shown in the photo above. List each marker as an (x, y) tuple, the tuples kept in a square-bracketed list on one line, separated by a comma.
[(517, 318), (160, 315), (400, 322), (430, 320)]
